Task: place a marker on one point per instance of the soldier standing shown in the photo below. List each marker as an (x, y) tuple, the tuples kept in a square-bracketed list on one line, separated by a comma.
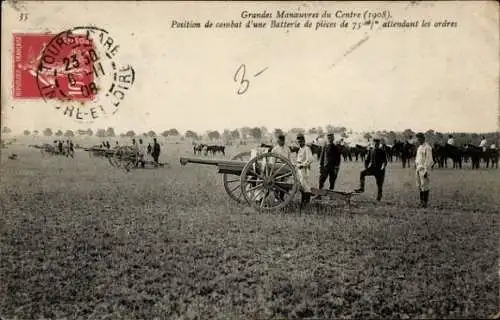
[(329, 162), (280, 147), (423, 163), (282, 150), (142, 154), (156, 151), (304, 161)]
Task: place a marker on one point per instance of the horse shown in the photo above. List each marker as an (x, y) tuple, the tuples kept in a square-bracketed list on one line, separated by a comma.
[(360, 152), (346, 152), (214, 149), (404, 151), (493, 157), (477, 154), (198, 148), (447, 151)]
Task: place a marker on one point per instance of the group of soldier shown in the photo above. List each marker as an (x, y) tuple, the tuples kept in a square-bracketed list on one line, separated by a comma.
[(375, 165), (64, 148), (145, 154)]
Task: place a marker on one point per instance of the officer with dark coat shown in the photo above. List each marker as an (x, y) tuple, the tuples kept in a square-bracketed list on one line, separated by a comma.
[(375, 165), (156, 151), (329, 162)]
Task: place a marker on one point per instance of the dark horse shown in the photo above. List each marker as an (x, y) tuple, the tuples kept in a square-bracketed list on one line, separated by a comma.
[(360, 151), (346, 152), (493, 157), (404, 151), (477, 154), (441, 153)]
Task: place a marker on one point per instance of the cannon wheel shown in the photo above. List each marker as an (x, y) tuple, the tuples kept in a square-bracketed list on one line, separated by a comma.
[(272, 188), (113, 159), (232, 182), (123, 158)]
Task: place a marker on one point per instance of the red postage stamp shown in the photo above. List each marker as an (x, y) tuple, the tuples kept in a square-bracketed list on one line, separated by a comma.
[(71, 75), (77, 71)]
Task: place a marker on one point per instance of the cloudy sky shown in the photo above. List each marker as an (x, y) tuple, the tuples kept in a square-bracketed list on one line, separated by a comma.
[(440, 78)]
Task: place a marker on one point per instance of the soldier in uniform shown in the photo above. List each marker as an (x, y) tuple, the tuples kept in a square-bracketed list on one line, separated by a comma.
[(375, 165), (451, 140), (423, 164), (304, 161), (284, 151), (329, 162), (142, 153), (483, 144), (156, 152), (135, 148), (280, 147)]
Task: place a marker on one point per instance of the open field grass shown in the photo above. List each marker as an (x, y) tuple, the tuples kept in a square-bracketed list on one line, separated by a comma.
[(79, 238)]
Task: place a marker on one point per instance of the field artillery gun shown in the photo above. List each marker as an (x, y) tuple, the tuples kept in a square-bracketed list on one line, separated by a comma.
[(121, 157), (124, 157), (266, 182)]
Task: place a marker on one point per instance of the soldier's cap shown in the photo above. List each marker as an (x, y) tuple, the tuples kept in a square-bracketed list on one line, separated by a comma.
[(330, 133), (420, 135), (376, 138), (300, 136)]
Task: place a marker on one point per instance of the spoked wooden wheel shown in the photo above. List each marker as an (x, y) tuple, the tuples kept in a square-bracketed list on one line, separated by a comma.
[(269, 182), (232, 182), (113, 159), (124, 157)]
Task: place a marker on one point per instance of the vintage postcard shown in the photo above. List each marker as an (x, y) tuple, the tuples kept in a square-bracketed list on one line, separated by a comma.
[(249, 160)]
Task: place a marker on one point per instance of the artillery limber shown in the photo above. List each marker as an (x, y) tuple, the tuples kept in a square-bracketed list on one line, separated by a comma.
[(266, 182)]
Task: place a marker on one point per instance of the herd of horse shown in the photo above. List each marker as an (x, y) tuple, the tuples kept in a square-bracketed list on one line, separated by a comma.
[(403, 152), (201, 148), (400, 151), (465, 154)]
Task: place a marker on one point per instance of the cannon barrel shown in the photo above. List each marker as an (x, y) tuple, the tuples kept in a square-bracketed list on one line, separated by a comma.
[(213, 162), (186, 160), (100, 151), (225, 166)]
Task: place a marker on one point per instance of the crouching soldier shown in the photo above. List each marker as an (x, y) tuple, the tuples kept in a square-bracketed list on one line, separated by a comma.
[(375, 165)]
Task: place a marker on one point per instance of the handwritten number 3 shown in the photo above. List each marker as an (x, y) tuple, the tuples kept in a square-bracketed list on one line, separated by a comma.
[(244, 83)]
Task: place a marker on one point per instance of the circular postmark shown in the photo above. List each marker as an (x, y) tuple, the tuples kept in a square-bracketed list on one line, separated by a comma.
[(80, 74)]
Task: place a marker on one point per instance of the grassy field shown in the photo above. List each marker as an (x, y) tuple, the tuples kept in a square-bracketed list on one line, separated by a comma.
[(79, 238)]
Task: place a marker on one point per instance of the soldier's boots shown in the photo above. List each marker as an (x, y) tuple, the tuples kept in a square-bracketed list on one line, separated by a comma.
[(424, 198), (306, 198)]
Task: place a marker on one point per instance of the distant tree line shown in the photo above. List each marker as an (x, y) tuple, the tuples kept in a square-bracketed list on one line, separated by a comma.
[(259, 133)]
